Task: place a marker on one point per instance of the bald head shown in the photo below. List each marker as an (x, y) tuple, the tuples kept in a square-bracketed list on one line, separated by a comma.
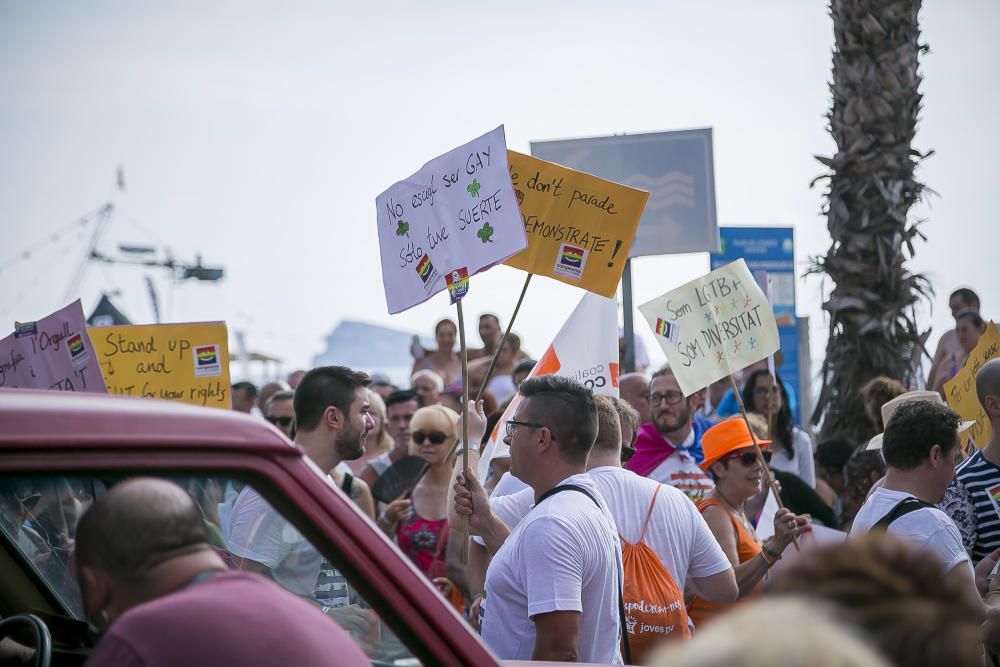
[(634, 388), (988, 386), (136, 525)]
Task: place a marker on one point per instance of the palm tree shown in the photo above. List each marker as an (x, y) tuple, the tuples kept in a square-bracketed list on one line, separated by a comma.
[(873, 119)]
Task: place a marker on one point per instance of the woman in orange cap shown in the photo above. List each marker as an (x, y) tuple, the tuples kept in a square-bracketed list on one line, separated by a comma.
[(732, 462)]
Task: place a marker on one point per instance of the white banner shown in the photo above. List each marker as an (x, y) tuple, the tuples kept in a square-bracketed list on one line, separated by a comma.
[(713, 326), (585, 349), (458, 212)]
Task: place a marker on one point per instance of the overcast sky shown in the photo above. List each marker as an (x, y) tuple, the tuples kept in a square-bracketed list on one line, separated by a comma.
[(259, 134)]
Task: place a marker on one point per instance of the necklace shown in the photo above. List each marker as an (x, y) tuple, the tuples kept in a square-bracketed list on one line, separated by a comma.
[(739, 512)]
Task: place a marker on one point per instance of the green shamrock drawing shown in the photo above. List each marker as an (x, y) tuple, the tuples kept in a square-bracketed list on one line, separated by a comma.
[(473, 187), (486, 233), (403, 229)]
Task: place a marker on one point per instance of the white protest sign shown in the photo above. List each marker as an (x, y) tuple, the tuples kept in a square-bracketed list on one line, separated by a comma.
[(53, 353), (585, 349), (712, 326), (457, 213)]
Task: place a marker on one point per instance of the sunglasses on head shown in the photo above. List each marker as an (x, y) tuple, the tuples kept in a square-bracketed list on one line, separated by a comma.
[(282, 421), (749, 458), (436, 437)]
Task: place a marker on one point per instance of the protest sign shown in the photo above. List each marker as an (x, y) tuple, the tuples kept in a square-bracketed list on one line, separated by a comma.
[(53, 353), (579, 227), (585, 349), (455, 217), (721, 323), (188, 363), (960, 391)]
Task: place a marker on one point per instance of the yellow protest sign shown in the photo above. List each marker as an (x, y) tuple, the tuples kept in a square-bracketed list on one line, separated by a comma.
[(579, 227), (960, 391), (176, 362), (712, 326)]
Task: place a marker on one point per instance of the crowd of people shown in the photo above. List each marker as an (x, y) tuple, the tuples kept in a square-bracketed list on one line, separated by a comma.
[(640, 529)]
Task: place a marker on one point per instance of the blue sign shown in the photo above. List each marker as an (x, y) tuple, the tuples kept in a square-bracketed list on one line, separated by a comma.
[(770, 249), (675, 167)]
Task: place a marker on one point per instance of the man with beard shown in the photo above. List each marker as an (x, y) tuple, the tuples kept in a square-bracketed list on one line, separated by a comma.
[(668, 449), (333, 419)]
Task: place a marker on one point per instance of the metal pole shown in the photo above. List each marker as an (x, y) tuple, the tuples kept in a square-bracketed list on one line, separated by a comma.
[(629, 361)]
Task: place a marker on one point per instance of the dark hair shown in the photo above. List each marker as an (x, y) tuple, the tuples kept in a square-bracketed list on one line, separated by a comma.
[(972, 316), (322, 387), (833, 453), (249, 387), (967, 296), (491, 422), (403, 396), (444, 322), (660, 372), (914, 428), (783, 420), (523, 366), (485, 316), (137, 524), (568, 409), (896, 594)]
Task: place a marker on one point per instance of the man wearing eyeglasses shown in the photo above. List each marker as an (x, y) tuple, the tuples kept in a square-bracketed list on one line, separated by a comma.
[(279, 411), (552, 588), (668, 448)]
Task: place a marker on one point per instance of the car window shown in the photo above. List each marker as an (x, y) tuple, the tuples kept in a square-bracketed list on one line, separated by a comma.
[(38, 516)]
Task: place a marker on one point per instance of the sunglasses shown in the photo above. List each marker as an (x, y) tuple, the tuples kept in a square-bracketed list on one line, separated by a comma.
[(280, 421), (627, 453), (436, 437), (749, 458)]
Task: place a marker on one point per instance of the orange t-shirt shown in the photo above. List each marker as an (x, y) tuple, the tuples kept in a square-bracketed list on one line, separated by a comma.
[(702, 611)]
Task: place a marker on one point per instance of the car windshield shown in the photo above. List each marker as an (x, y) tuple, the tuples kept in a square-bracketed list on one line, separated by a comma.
[(38, 517)]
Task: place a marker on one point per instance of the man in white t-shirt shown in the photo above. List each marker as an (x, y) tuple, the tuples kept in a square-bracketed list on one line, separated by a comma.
[(333, 419), (921, 448), (553, 586)]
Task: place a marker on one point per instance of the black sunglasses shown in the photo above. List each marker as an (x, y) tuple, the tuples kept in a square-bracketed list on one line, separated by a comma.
[(627, 453), (436, 437), (749, 458), (283, 421)]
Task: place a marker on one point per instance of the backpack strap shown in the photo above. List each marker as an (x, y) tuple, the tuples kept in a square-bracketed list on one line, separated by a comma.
[(901, 509), (650, 512), (622, 631)]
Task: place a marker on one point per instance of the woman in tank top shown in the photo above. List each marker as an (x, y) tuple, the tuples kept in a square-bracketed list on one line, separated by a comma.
[(732, 462)]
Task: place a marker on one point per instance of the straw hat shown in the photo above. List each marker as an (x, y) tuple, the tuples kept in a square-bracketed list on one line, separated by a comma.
[(889, 409), (726, 437)]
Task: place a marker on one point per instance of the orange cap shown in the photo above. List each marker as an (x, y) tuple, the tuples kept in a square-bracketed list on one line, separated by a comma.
[(725, 437)]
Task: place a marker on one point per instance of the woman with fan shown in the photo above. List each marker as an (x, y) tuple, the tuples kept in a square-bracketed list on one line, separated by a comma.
[(418, 519)]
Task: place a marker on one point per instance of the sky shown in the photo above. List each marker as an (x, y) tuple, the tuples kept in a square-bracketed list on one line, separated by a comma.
[(258, 135)]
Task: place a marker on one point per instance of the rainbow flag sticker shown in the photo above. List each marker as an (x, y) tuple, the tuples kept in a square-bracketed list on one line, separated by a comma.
[(76, 349), (458, 283), (570, 261), (206, 360), (425, 269), (668, 330)]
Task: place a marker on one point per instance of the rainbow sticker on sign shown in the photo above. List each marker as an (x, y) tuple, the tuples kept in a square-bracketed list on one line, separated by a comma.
[(667, 330), (428, 274), (77, 350), (458, 283), (206, 361), (570, 261)]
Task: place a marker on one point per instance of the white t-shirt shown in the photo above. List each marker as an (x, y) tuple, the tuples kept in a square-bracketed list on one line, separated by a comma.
[(563, 556), (681, 471), (802, 465), (677, 532), (928, 528), (259, 533)]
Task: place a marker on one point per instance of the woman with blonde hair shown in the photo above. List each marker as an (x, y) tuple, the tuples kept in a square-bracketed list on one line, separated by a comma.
[(419, 521)]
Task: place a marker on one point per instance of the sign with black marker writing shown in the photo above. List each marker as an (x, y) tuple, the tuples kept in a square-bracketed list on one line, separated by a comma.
[(713, 326), (53, 353), (188, 363), (579, 227), (455, 217)]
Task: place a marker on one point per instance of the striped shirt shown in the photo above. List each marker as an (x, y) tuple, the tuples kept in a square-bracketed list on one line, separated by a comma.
[(973, 502)]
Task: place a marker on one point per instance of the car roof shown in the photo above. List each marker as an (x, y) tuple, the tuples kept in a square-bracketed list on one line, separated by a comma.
[(30, 416)]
